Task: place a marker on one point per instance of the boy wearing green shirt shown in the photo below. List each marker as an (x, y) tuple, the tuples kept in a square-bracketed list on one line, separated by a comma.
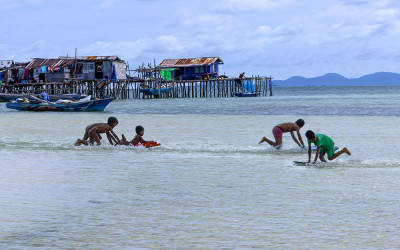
[(324, 145)]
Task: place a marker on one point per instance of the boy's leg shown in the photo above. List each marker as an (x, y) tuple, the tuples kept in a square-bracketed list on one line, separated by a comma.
[(277, 132), (78, 142), (322, 155), (124, 141), (93, 137), (278, 141), (86, 136), (336, 155)]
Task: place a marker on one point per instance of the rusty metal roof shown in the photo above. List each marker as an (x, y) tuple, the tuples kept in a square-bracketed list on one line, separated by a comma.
[(52, 63), (63, 61), (189, 62), (93, 58)]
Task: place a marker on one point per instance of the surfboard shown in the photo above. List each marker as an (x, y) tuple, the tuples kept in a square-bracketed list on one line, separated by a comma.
[(301, 163), (148, 144), (315, 148)]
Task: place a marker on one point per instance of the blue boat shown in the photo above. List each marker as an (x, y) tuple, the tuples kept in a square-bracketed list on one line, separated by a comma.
[(246, 94), (247, 90), (66, 106), (156, 91), (4, 97)]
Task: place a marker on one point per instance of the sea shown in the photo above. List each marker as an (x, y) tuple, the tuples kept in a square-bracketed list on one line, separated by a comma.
[(210, 185)]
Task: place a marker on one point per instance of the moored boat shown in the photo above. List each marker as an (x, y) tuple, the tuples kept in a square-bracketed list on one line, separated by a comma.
[(156, 91), (246, 94), (61, 105), (5, 97)]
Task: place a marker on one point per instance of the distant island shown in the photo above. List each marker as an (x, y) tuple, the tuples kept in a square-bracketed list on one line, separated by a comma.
[(333, 79)]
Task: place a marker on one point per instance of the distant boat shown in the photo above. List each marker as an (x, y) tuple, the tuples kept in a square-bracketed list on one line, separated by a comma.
[(156, 91), (62, 106), (246, 94), (247, 90), (4, 97)]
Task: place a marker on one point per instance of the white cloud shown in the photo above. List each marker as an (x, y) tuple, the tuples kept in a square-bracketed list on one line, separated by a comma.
[(105, 4), (283, 37), (13, 4), (251, 5)]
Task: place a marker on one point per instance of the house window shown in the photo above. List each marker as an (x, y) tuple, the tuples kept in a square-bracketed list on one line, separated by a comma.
[(199, 70), (87, 67)]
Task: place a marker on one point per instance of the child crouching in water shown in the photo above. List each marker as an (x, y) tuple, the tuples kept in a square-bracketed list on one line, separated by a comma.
[(93, 131), (137, 139), (324, 145)]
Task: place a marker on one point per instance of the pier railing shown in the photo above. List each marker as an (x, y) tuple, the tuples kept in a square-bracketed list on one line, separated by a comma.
[(131, 89)]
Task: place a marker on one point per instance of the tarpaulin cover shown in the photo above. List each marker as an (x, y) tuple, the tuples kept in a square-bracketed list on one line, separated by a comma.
[(166, 74)]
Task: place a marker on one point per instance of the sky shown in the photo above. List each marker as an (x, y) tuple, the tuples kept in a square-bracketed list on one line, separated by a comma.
[(278, 38)]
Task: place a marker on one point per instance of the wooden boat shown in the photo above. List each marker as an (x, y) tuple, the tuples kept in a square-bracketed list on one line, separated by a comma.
[(4, 97), (64, 106)]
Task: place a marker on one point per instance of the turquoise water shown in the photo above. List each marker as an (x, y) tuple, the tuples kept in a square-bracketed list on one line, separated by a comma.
[(210, 185)]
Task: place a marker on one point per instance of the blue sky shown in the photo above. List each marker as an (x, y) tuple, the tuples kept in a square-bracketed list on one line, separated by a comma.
[(281, 38)]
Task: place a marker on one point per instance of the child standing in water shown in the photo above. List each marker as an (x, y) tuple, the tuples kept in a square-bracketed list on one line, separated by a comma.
[(279, 129), (324, 145), (93, 131)]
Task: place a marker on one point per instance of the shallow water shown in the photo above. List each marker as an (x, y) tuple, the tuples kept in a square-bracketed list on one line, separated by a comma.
[(210, 185)]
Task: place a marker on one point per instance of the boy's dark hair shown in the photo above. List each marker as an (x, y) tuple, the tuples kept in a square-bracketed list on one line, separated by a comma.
[(300, 122), (112, 120), (310, 135), (138, 129)]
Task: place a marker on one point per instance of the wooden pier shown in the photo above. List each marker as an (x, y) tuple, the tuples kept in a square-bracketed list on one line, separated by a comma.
[(208, 88)]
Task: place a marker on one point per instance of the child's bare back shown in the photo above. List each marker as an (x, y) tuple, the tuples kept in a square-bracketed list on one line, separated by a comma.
[(288, 127), (93, 131)]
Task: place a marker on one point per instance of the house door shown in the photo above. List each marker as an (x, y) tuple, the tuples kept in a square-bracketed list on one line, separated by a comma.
[(99, 70)]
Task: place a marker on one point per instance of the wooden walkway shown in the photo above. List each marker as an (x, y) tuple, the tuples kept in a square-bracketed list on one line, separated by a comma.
[(225, 87)]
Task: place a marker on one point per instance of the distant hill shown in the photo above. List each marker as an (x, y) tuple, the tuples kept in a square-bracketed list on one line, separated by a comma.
[(332, 79)]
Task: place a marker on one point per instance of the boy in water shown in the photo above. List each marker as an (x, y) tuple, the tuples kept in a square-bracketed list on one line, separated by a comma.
[(279, 129), (324, 145), (93, 131), (137, 139)]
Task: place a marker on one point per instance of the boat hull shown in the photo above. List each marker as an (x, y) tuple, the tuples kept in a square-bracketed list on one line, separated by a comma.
[(93, 105), (246, 94), (156, 91), (4, 97)]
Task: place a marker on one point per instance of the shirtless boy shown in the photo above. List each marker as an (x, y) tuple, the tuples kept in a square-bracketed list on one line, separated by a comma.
[(93, 131), (279, 129), (137, 139), (324, 145)]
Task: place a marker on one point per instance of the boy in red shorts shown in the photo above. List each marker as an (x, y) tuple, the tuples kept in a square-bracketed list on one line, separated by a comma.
[(279, 129)]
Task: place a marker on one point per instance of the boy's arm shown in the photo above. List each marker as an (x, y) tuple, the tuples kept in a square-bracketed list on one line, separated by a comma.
[(295, 139), (316, 154), (115, 137), (301, 139), (309, 153), (109, 137), (112, 137)]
